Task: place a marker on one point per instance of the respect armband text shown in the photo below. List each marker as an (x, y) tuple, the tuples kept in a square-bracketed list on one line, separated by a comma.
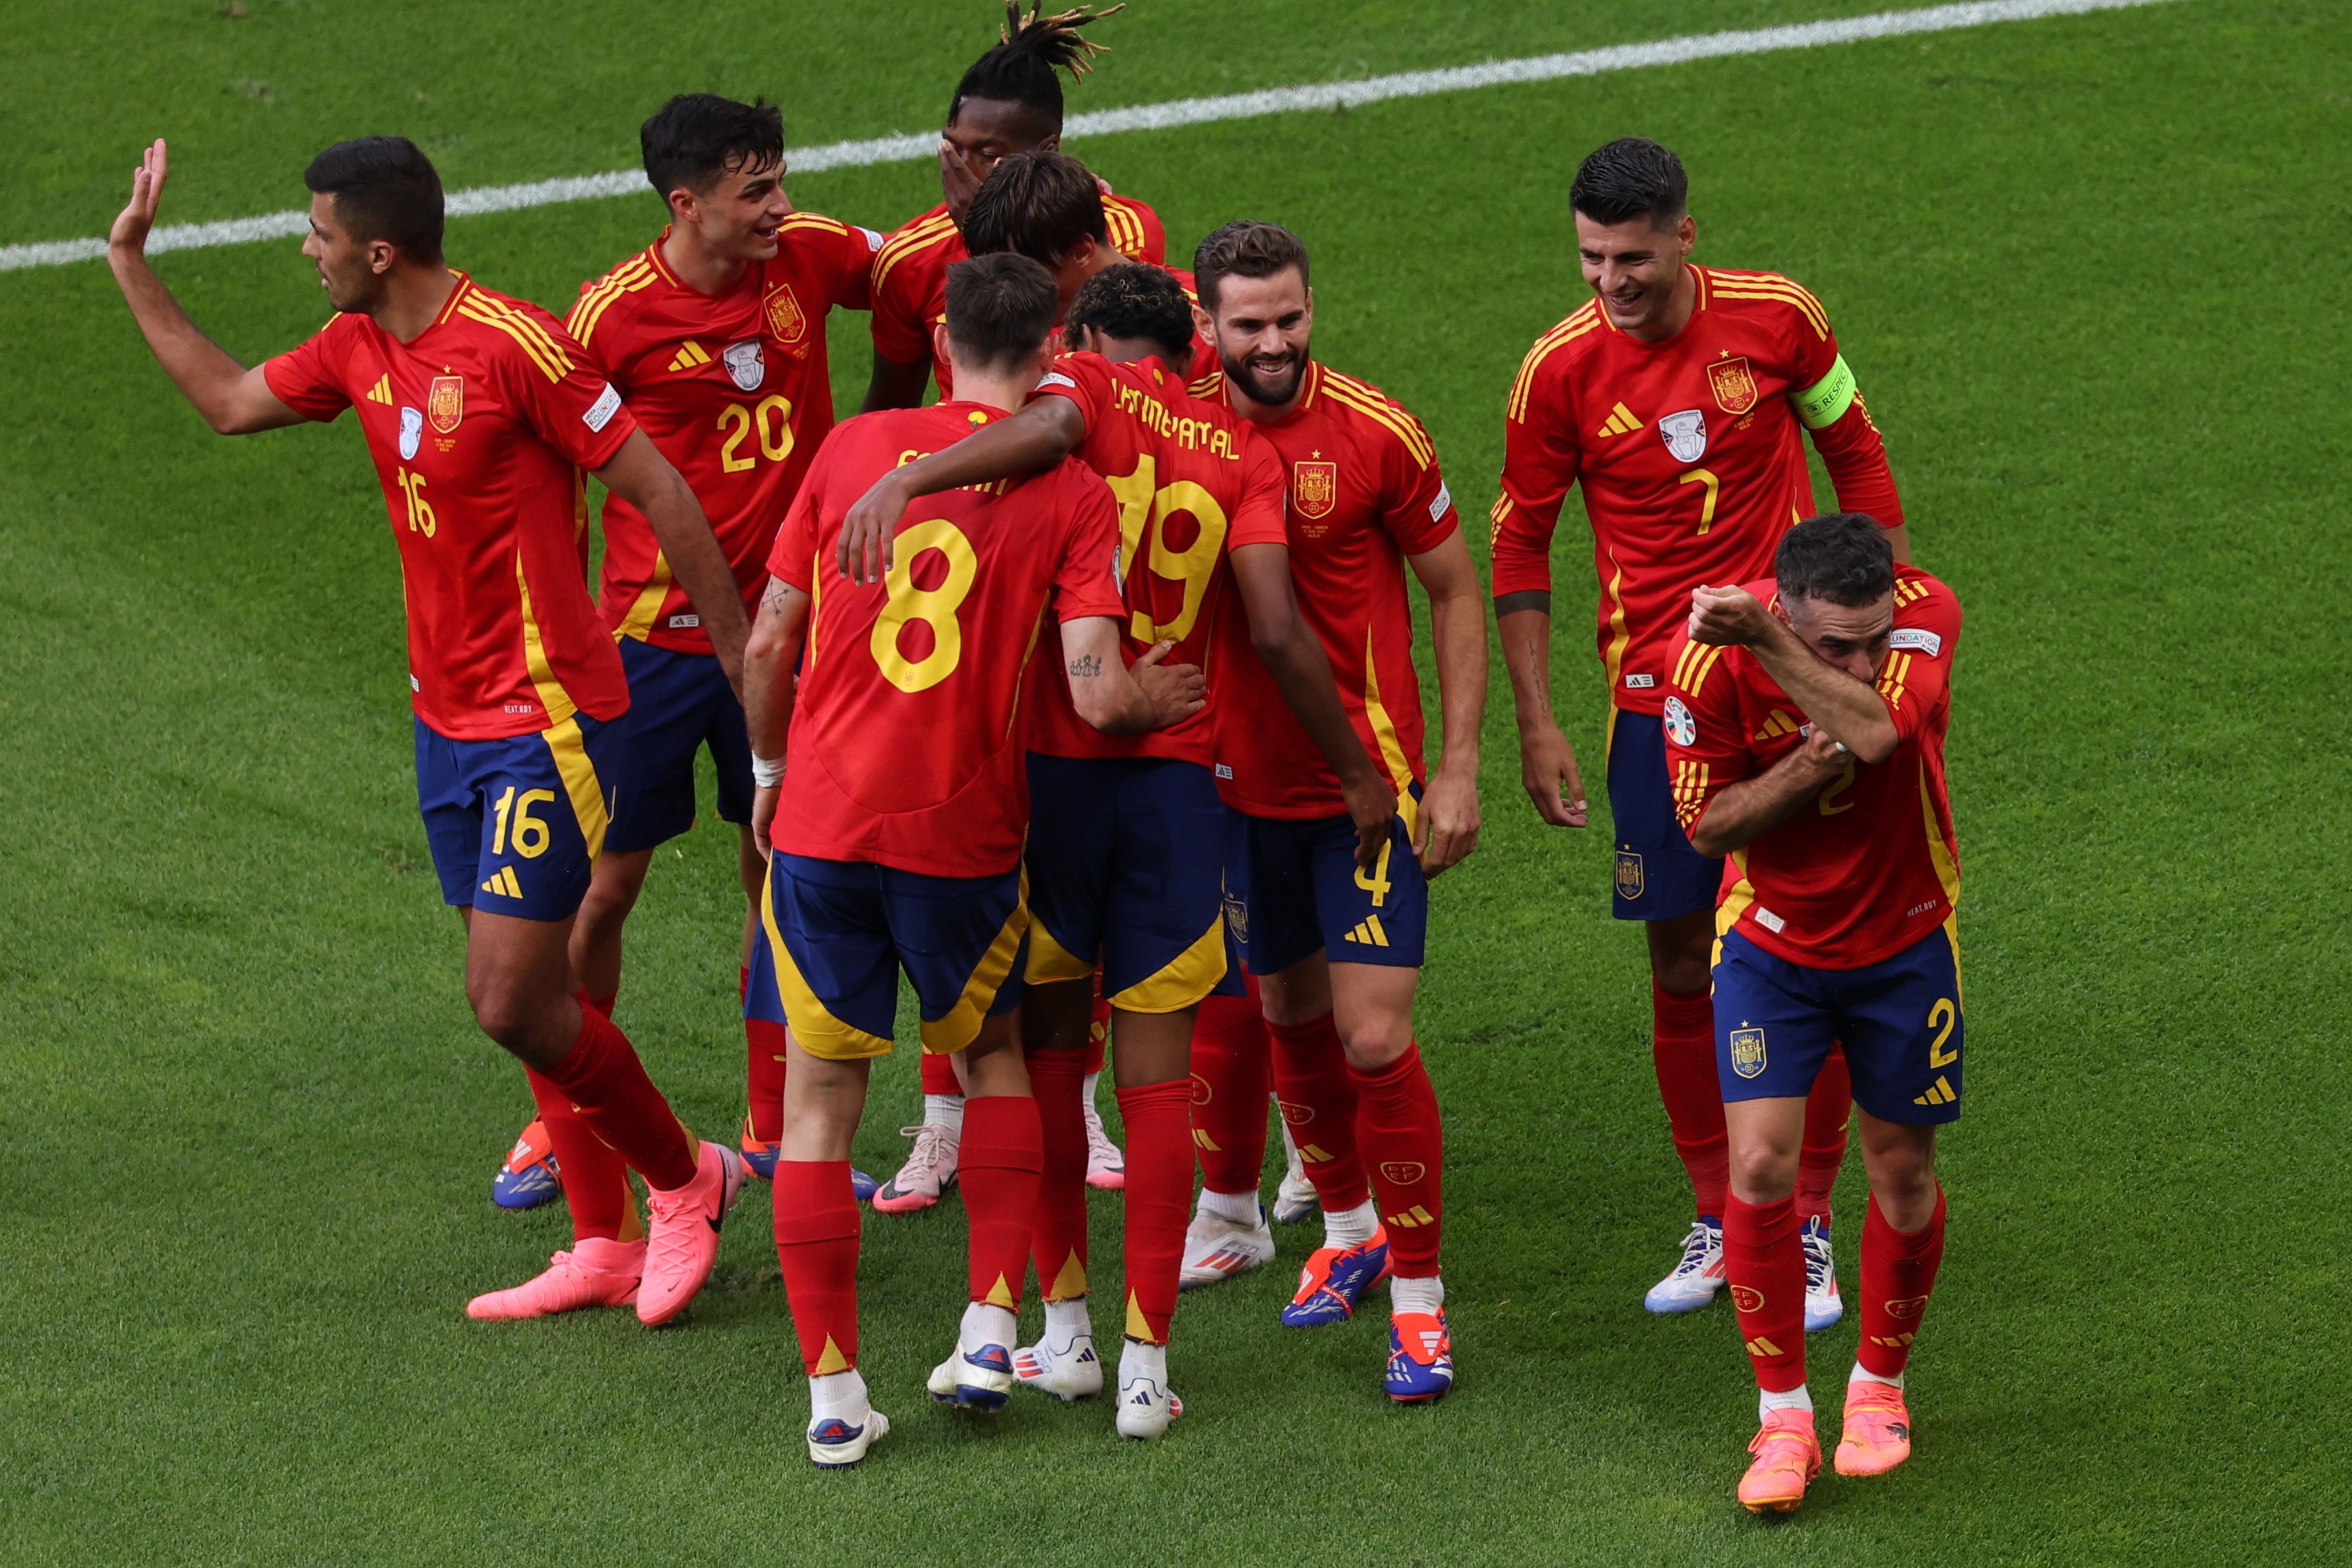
[(1824, 403)]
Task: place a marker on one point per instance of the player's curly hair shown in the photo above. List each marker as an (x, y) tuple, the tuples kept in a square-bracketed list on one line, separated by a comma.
[(1843, 557), (1022, 68), (1628, 178), (1134, 300)]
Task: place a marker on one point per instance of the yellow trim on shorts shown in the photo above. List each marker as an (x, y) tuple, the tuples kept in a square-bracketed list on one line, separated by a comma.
[(1051, 962), (1192, 974), (961, 1024), (570, 749), (815, 1030), (1952, 935)]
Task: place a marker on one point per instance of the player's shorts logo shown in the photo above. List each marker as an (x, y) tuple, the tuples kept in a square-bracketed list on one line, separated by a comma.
[(446, 405), (1629, 874), (1681, 728), (1315, 489), (785, 318), (746, 365), (1684, 435), (1402, 1171), (1909, 1307), (1748, 1052), (412, 433), (1733, 384), (1746, 1298), (1236, 911)]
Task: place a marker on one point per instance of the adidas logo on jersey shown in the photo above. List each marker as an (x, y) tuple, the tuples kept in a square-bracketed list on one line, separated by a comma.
[(1621, 422), (502, 882), (1941, 1092), (691, 355), (382, 391), (1777, 724), (1367, 931)]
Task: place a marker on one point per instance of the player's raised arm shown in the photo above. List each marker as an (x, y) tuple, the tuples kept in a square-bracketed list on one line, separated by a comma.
[(1041, 435), (234, 400), (1832, 413), (1832, 685), (641, 476)]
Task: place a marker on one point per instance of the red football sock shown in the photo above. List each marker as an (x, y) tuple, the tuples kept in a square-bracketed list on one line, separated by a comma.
[(1898, 1275), (938, 1074), (605, 1080), (1766, 1266), (1683, 1050), (817, 1242), (1159, 1200), (595, 1180), (1097, 1028), (1404, 1144), (1828, 1109), (1319, 1100), (763, 1076), (1229, 1073), (1058, 1239), (997, 1166)]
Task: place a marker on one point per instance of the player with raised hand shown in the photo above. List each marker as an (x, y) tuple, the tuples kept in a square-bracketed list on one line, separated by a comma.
[(1805, 717), (1677, 398), (894, 792), (1334, 933), (480, 411), (1125, 859)]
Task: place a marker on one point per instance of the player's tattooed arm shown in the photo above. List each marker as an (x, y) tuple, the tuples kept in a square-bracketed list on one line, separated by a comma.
[(1036, 438), (1119, 701), (234, 400), (1085, 666)]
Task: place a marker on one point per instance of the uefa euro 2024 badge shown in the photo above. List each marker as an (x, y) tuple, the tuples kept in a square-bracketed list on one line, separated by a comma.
[(746, 365), (411, 431), (1681, 728), (1684, 435)]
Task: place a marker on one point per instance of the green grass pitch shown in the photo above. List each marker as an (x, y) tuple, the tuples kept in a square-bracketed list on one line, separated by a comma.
[(2091, 272)]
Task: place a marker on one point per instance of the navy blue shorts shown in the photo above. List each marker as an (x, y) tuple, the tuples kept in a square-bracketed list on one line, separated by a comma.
[(838, 932), (516, 824), (1293, 888), (1659, 875), (1899, 1019), (1126, 870), (678, 702)]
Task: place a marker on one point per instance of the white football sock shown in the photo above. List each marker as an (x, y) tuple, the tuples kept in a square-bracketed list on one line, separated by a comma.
[(1239, 1207), (987, 1325), (944, 1111), (1137, 1359), (1066, 1320), (1351, 1227), (1797, 1398), (1086, 1089), (1416, 1295), (837, 1394), (1861, 1374)]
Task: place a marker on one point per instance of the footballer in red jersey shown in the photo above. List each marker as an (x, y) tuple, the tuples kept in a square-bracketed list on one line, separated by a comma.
[(1125, 859), (481, 413), (892, 711), (1326, 873), (1805, 717), (1678, 399), (1008, 102), (715, 335)]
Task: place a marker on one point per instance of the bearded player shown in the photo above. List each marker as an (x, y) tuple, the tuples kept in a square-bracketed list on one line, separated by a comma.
[(1805, 720), (480, 413), (1674, 398), (891, 711), (1337, 944), (715, 334), (1125, 856)]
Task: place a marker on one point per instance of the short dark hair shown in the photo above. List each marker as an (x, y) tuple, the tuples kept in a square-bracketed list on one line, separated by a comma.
[(1000, 308), (1628, 178), (1020, 67), (1843, 557), (1037, 205), (1249, 248), (384, 188), (697, 137), (1137, 300)]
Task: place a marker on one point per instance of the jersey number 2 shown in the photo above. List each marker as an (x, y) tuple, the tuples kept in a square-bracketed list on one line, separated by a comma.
[(935, 608)]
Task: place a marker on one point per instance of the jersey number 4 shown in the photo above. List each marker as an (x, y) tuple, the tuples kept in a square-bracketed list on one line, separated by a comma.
[(935, 608)]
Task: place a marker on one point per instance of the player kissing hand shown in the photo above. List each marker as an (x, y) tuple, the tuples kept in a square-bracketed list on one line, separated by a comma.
[(1726, 617)]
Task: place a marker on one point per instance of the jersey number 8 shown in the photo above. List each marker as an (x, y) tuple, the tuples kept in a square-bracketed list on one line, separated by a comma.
[(935, 608)]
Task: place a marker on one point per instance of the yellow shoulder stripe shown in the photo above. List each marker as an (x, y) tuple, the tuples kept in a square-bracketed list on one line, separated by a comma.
[(627, 277), (1582, 321), (815, 220), (1770, 286), (1698, 661), (1353, 394), (908, 242), (553, 362)]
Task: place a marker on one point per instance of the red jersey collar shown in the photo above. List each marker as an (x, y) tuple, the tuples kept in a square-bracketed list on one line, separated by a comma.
[(449, 306)]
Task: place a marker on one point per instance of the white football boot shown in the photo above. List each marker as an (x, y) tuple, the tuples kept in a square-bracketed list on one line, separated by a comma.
[(1218, 1247), (1145, 1404), (1062, 1362), (977, 1373), (1294, 1200), (1695, 1280), (1823, 1305), (841, 1423)]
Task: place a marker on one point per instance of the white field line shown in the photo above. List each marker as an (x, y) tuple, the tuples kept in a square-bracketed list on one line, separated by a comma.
[(1161, 116)]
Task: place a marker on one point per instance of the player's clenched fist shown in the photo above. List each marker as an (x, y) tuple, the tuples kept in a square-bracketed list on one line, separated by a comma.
[(1726, 617)]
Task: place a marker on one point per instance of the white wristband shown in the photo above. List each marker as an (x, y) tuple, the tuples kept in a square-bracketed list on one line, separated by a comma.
[(765, 774)]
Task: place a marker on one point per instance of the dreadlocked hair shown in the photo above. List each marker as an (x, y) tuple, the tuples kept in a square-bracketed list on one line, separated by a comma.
[(1020, 67)]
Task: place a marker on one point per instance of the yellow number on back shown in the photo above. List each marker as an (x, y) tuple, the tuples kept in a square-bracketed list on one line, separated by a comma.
[(1192, 565), (935, 608)]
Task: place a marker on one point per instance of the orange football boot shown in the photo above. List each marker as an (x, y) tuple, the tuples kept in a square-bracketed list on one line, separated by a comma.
[(1788, 1456), (1877, 1432)]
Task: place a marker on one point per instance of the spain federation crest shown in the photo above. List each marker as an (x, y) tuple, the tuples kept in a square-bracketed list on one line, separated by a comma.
[(1733, 384), (746, 365), (1315, 487), (1748, 1052), (1629, 874), (446, 405), (785, 321)]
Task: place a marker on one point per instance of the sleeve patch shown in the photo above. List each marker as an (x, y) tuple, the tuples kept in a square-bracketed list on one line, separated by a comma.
[(873, 240), (600, 413), (1054, 378), (1443, 501), (1919, 637), (1824, 403)]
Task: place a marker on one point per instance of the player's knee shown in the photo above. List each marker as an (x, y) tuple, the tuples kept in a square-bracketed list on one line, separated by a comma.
[(1374, 1042), (1763, 1172)]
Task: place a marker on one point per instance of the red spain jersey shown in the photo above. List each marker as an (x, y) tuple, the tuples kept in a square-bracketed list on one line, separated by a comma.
[(1191, 484), (1869, 866), (906, 748), (1365, 493), (1690, 453), (479, 429), (910, 276), (734, 390)]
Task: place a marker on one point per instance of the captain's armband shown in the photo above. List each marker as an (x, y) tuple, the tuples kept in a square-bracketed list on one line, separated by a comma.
[(1824, 403)]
